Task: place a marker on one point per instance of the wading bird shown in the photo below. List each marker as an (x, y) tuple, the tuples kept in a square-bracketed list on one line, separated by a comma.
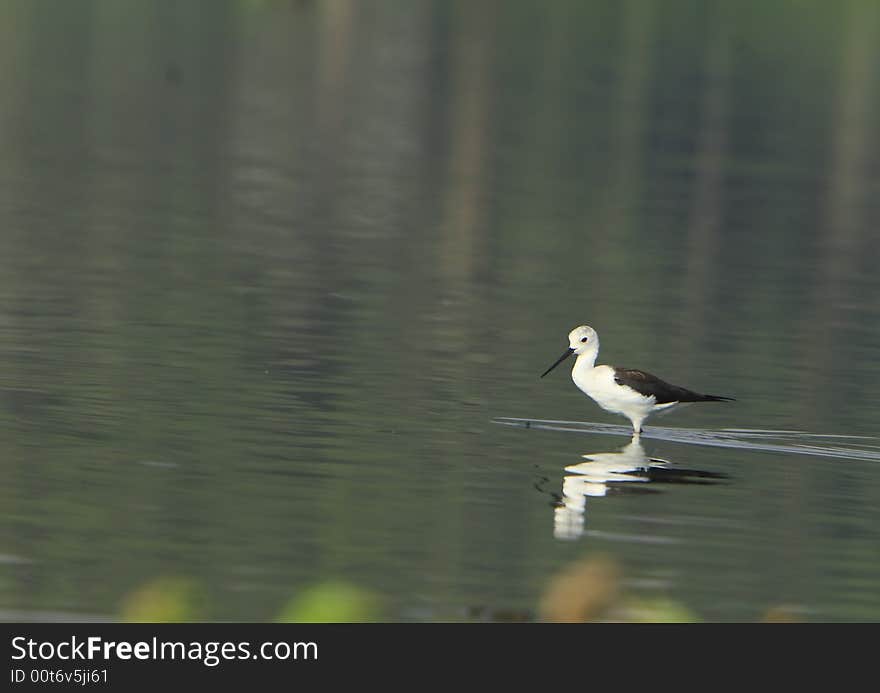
[(633, 393)]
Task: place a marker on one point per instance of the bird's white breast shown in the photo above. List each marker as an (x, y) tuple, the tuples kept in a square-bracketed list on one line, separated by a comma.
[(599, 384)]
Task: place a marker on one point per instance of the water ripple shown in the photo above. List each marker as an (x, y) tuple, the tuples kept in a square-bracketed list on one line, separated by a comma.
[(778, 441)]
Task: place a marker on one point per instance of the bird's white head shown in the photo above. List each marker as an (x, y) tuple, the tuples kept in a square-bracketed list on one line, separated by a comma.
[(581, 340)]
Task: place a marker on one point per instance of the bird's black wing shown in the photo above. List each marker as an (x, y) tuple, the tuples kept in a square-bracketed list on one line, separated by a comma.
[(650, 385)]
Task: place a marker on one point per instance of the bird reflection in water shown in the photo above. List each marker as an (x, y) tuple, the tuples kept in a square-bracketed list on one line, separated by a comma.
[(604, 473)]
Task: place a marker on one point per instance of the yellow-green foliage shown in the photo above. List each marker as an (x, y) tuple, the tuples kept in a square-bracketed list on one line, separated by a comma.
[(164, 600), (331, 602), (658, 610)]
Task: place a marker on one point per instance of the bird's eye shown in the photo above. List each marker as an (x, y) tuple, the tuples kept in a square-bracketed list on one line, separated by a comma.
[(583, 339)]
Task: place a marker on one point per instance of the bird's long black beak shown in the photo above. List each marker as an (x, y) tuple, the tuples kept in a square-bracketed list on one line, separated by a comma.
[(565, 355)]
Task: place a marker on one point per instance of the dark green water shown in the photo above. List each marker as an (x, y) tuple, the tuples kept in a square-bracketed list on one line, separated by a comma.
[(268, 270)]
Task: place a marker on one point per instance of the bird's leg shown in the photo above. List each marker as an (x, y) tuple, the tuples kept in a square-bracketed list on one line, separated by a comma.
[(637, 425)]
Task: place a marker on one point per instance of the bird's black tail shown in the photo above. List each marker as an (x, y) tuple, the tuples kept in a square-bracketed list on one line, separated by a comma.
[(717, 398)]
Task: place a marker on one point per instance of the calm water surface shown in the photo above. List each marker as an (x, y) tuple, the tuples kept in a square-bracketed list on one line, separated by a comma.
[(271, 270)]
